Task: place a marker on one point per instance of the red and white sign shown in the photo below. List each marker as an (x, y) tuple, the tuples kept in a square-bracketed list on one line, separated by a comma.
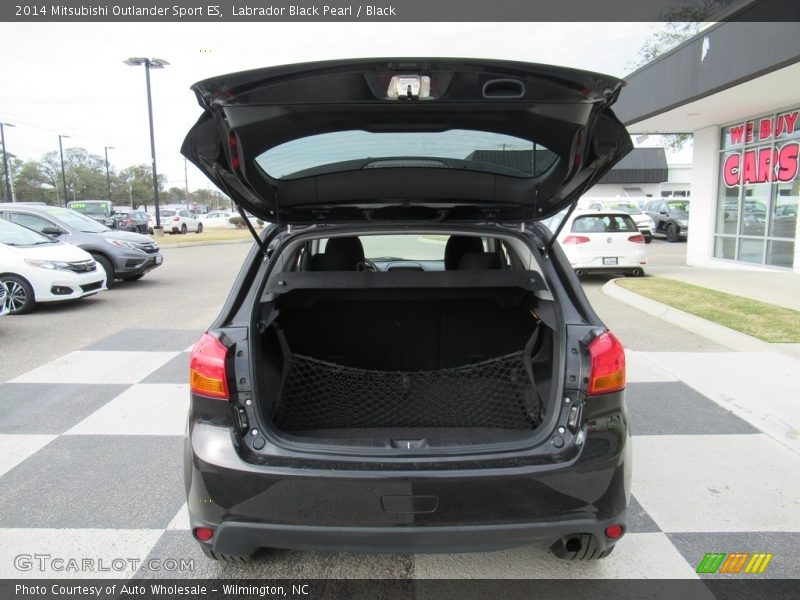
[(763, 165)]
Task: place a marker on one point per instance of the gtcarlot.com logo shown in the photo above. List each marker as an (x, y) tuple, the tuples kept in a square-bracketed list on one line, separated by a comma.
[(737, 562), (43, 563)]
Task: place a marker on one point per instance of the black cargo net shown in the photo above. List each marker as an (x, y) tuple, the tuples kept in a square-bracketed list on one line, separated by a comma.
[(496, 393)]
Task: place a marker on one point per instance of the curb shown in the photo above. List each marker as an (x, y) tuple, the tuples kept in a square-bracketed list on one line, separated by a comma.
[(720, 334)]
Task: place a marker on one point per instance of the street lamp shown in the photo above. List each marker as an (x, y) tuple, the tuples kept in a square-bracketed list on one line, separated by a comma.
[(150, 63), (63, 173), (108, 177), (186, 181), (9, 189)]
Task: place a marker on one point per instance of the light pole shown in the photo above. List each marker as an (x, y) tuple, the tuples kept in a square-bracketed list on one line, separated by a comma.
[(150, 63), (108, 177), (63, 173), (9, 189), (186, 181)]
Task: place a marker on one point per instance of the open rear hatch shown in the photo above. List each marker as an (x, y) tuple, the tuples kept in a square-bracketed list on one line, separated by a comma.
[(393, 360), (406, 139)]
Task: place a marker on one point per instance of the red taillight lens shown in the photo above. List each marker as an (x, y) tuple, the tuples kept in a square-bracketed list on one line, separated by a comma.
[(576, 239), (233, 145), (614, 532), (176, 218), (637, 239), (607, 371), (203, 533), (207, 368)]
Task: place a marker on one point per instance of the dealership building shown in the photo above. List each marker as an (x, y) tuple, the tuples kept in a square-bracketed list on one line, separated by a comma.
[(736, 88)]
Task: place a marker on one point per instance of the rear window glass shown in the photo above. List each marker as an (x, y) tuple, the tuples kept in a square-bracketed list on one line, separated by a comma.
[(400, 247), (455, 148), (604, 224)]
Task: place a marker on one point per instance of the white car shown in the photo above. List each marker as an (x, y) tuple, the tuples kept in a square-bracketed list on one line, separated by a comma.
[(180, 220), (603, 241), (3, 300), (38, 268), (643, 222), (217, 219)]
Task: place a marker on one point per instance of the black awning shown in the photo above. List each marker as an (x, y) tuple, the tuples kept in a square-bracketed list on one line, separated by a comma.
[(642, 165)]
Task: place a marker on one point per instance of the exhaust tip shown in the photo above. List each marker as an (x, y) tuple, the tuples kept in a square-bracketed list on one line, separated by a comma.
[(573, 545)]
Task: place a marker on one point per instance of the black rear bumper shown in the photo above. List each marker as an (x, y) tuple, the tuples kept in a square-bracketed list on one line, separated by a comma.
[(326, 506), (243, 539)]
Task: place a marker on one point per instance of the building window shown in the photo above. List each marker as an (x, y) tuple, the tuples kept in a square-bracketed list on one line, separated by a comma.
[(759, 190)]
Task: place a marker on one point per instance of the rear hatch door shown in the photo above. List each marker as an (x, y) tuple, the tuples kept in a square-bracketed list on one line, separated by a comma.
[(406, 139)]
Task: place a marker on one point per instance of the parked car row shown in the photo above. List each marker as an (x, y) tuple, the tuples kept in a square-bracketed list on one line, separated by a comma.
[(49, 254)]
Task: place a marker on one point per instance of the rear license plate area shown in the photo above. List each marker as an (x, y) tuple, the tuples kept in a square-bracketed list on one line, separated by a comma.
[(610, 260)]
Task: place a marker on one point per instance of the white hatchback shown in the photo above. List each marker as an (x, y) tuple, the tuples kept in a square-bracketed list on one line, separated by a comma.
[(603, 241), (37, 268)]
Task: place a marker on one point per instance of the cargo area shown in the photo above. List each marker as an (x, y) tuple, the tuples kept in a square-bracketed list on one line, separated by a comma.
[(405, 368)]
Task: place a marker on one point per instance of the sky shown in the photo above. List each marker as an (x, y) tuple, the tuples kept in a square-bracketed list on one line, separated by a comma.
[(69, 78)]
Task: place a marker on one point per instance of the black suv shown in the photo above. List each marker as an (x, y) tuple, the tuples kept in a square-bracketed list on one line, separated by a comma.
[(670, 216), (406, 361)]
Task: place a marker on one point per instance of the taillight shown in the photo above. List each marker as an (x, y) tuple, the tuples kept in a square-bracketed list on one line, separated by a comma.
[(176, 218), (607, 370), (233, 146), (207, 368), (576, 239), (637, 239)]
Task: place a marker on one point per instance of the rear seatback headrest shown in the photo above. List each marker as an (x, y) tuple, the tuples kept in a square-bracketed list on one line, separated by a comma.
[(350, 247), (457, 246), (479, 261), (331, 262)]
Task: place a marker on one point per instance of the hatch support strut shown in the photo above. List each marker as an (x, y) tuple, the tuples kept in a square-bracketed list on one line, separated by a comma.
[(253, 232), (552, 241)]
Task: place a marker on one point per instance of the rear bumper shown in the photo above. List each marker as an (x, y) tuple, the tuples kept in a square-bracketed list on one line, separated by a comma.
[(243, 539), (355, 507)]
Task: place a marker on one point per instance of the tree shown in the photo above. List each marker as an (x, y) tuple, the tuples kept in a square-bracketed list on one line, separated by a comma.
[(85, 174), (135, 184), (682, 23), (31, 185)]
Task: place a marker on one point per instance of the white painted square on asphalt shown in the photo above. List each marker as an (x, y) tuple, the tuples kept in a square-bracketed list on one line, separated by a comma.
[(99, 366), (112, 553), (636, 555), (763, 388), (142, 409), (705, 483), (14, 448), (638, 369), (180, 520)]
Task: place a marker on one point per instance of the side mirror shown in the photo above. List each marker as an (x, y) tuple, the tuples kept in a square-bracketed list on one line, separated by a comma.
[(51, 230)]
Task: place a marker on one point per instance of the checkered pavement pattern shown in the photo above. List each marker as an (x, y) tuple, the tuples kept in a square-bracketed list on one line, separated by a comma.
[(91, 467)]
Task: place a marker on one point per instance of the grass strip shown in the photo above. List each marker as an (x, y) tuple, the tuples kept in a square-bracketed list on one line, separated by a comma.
[(208, 235), (774, 324)]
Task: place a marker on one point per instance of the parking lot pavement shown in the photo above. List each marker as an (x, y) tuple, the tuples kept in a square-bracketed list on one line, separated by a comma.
[(91, 467)]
